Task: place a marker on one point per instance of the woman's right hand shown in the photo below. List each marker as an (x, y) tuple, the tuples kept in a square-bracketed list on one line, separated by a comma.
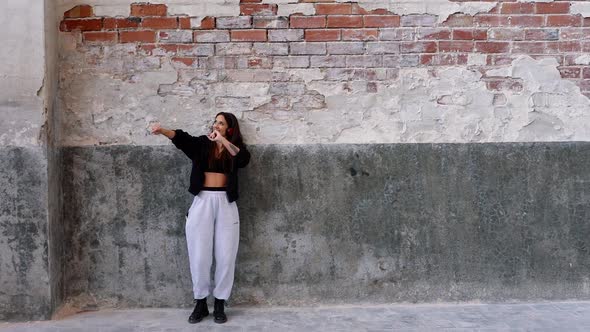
[(156, 129)]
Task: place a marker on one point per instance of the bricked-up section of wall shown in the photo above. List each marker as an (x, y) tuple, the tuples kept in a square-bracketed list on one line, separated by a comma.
[(344, 35)]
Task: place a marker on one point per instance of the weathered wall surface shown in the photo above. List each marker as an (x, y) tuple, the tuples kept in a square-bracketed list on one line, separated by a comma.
[(24, 272), (360, 222), (324, 72), (340, 223)]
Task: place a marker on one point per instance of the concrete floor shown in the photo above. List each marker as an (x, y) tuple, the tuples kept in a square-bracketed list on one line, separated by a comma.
[(547, 316)]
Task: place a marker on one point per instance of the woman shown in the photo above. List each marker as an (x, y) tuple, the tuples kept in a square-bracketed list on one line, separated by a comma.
[(212, 223)]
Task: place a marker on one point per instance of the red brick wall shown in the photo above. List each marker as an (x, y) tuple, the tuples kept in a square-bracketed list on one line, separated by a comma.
[(344, 35)]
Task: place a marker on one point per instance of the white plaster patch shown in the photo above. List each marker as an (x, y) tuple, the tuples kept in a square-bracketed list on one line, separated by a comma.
[(442, 8), (583, 59), (303, 8), (175, 7), (582, 8)]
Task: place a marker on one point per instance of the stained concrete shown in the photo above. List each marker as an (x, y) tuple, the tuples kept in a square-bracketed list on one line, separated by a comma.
[(340, 223), (24, 275)]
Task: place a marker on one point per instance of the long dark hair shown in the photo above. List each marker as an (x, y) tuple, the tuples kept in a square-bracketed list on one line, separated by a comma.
[(233, 135)]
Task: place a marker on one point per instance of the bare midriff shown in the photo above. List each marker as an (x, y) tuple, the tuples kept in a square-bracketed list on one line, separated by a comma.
[(215, 180)]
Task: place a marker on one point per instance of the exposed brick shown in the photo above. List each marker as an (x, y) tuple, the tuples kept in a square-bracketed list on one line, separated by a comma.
[(364, 61), (271, 48), (441, 59), (240, 22), (346, 48), (233, 48), (207, 23), (541, 34), (159, 50), (459, 20), (570, 46), (184, 22), (469, 34), (407, 34), (418, 47), (93, 24), (328, 61), (308, 48), (102, 37), (504, 84), (586, 73), (501, 59), (248, 35), (322, 35), (526, 21), (381, 21), (433, 33), (121, 23), (211, 36), (491, 20), (407, 60), (506, 34), (160, 22), (418, 20), (552, 8), (175, 36), (291, 61), (586, 22), (492, 47), (268, 22), (308, 21), (456, 46), (250, 1), (333, 9), (146, 9), (218, 62), (530, 47), (360, 34), (564, 20), (358, 10), (285, 35), (196, 50), (137, 36), (570, 72), (344, 21), (574, 33), (258, 9), (517, 8), (79, 11), (383, 47), (255, 62), (189, 62)]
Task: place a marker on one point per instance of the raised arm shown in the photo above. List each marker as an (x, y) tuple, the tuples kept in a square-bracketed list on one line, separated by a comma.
[(188, 144)]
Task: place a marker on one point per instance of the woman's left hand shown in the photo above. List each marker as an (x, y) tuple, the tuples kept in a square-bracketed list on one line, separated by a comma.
[(215, 136)]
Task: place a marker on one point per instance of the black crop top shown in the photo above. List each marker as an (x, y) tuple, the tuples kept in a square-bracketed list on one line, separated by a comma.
[(218, 166)]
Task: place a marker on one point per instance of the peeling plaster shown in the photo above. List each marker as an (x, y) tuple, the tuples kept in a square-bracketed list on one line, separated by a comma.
[(582, 8), (442, 8), (175, 7)]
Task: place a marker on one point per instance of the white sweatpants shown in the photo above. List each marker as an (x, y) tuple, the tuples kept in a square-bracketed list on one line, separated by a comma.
[(212, 229)]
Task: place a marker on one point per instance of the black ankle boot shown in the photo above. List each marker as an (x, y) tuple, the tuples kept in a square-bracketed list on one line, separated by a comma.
[(200, 311), (218, 313)]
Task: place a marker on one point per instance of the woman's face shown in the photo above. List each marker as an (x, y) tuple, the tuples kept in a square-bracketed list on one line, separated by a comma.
[(220, 125)]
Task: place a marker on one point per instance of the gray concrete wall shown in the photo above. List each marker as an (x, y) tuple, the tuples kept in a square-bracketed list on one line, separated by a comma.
[(340, 223), (24, 277)]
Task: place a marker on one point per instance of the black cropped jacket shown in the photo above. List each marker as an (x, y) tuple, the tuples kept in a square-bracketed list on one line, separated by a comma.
[(197, 149)]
